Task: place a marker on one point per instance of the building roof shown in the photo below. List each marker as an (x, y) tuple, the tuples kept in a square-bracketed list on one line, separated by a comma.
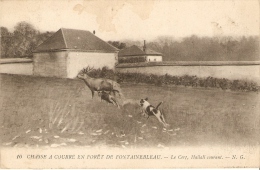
[(136, 51), (75, 40)]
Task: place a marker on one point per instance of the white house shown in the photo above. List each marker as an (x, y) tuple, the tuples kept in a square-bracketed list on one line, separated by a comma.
[(66, 52), (135, 54)]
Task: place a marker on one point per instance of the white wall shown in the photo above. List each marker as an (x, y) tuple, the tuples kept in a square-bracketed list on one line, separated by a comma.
[(152, 58), (245, 72), (78, 60), (50, 64), (17, 68)]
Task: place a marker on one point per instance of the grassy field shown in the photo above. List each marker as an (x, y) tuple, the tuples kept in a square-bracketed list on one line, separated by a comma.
[(50, 112)]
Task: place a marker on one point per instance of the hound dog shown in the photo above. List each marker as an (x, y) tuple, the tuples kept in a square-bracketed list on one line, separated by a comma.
[(150, 110), (108, 97)]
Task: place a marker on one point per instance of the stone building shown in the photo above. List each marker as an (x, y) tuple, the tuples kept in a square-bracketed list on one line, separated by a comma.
[(66, 52)]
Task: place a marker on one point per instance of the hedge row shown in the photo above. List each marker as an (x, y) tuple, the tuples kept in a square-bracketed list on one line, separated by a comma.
[(132, 60), (186, 80)]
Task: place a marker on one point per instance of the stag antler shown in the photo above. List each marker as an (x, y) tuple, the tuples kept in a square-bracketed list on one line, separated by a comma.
[(87, 69), (91, 69)]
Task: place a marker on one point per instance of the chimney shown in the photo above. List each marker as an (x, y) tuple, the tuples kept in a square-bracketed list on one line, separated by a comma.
[(94, 32), (144, 48)]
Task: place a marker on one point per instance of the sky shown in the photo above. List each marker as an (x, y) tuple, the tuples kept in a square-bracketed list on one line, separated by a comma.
[(137, 20)]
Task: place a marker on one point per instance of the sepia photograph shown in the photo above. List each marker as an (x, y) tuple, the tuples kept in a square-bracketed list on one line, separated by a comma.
[(129, 84)]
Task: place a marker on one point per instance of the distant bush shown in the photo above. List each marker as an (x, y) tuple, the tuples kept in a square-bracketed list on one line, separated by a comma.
[(186, 80), (105, 72)]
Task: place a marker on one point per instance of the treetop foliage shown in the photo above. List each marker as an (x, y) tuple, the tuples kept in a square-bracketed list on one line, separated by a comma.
[(22, 41), (195, 48), (117, 44)]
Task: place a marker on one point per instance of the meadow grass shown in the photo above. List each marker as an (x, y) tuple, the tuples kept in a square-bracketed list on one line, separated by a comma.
[(48, 107)]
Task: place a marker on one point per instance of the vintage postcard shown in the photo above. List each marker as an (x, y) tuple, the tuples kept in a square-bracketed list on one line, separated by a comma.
[(129, 84)]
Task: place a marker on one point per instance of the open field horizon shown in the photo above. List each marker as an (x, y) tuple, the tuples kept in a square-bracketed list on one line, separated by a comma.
[(53, 112)]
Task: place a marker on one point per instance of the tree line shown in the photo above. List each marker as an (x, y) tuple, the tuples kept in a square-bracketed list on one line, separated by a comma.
[(22, 41), (25, 38), (196, 48)]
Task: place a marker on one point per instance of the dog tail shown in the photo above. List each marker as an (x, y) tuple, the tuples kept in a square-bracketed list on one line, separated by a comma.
[(158, 105)]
